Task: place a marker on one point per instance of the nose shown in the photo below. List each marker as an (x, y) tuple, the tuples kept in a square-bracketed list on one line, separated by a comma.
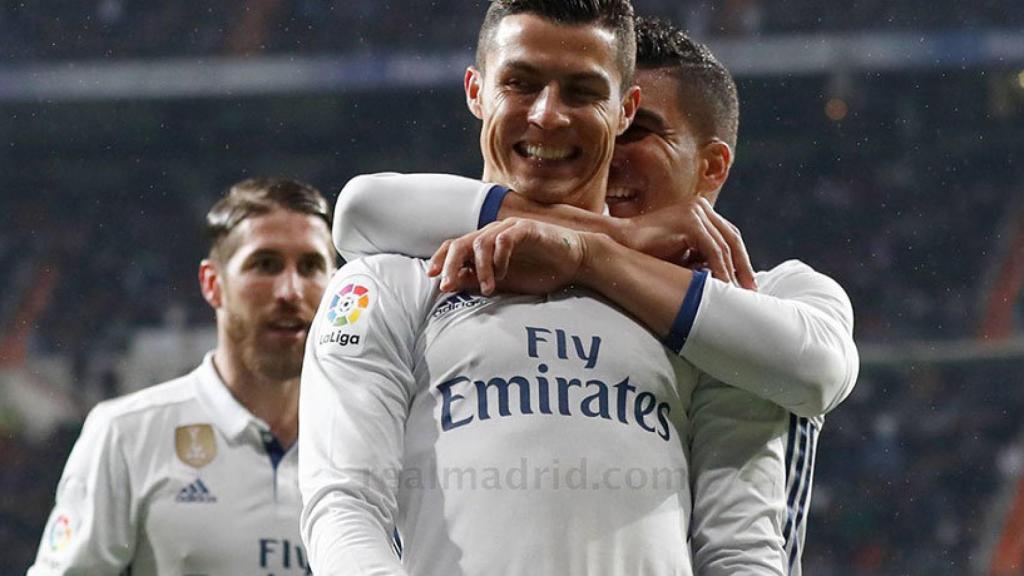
[(619, 163), (549, 110), (288, 286)]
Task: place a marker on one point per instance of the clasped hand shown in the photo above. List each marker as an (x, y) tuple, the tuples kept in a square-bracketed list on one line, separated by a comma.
[(525, 256)]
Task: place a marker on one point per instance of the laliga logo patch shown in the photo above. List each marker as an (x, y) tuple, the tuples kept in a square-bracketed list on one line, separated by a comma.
[(345, 328), (60, 533), (348, 304)]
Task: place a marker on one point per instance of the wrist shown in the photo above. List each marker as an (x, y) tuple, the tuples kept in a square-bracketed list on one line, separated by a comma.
[(597, 250), (619, 229), (512, 205)]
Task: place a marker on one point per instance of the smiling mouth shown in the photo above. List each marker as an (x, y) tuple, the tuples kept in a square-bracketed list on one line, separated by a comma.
[(544, 153), (620, 195)]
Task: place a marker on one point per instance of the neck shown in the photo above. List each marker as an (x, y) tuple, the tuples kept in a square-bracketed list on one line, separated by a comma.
[(589, 196), (594, 201), (275, 402)]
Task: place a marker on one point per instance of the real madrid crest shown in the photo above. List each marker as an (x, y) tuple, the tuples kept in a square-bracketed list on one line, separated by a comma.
[(195, 444)]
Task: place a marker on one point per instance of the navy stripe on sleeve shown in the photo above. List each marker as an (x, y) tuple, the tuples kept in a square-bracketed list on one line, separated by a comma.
[(805, 499), (396, 541), (492, 203), (794, 489), (794, 422), (681, 326)]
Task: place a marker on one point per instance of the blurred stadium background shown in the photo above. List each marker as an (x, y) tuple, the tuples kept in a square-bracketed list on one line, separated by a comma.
[(882, 142)]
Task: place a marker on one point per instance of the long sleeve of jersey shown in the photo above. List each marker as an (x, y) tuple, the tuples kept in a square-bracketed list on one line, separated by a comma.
[(356, 387), (410, 214), (92, 528), (737, 474), (791, 342)]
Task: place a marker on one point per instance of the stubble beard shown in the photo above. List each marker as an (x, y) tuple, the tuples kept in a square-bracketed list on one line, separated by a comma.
[(275, 364)]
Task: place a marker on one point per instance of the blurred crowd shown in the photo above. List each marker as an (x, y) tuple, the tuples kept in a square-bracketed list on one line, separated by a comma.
[(145, 28), (912, 467), (28, 480), (898, 239)]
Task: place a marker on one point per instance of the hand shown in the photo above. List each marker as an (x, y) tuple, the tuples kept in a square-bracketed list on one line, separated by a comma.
[(513, 255), (691, 234)]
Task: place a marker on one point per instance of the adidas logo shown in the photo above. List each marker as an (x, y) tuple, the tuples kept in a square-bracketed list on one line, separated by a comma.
[(455, 302), (195, 492)]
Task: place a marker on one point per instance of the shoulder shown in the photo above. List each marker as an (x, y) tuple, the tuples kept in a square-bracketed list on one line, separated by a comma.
[(388, 266), (794, 274), (370, 298), (382, 276), (795, 280), (125, 425), (133, 410), (788, 269)]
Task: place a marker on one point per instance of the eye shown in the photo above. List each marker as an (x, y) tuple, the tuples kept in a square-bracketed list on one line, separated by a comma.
[(312, 266), (519, 84), (634, 133), (586, 94), (266, 264)]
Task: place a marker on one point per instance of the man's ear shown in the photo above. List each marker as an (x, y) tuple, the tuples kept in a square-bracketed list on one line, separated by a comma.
[(715, 163), (630, 104), (209, 282), (473, 83)]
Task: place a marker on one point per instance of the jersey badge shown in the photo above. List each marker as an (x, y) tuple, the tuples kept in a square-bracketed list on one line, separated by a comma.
[(195, 444), (196, 492), (344, 324), (61, 532), (348, 304)]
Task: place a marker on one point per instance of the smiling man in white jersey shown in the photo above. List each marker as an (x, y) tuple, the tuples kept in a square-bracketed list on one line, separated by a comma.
[(199, 475), (788, 348), (503, 434)]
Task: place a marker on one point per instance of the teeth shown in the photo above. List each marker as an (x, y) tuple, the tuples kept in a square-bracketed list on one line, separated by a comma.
[(620, 194), (547, 153)]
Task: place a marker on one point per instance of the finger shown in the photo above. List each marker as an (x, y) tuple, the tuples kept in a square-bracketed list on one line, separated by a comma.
[(709, 250), (688, 258), (459, 256), (465, 281), (739, 257), (436, 264), (724, 249), (505, 246), (745, 270), (483, 257)]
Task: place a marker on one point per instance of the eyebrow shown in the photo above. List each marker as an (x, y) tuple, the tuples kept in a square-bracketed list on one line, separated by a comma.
[(647, 116), (527, 68), (276, 252)]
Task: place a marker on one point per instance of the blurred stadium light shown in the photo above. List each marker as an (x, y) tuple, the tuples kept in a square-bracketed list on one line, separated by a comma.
[(798, 54)]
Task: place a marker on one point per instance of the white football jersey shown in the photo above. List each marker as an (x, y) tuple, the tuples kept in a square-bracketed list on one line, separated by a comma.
[(773, 363), (752, 460), (177, 479), (517, 435)]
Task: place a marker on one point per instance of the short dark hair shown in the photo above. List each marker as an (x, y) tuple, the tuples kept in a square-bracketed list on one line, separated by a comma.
[(613, 15), (258, 196), (707, 90)]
